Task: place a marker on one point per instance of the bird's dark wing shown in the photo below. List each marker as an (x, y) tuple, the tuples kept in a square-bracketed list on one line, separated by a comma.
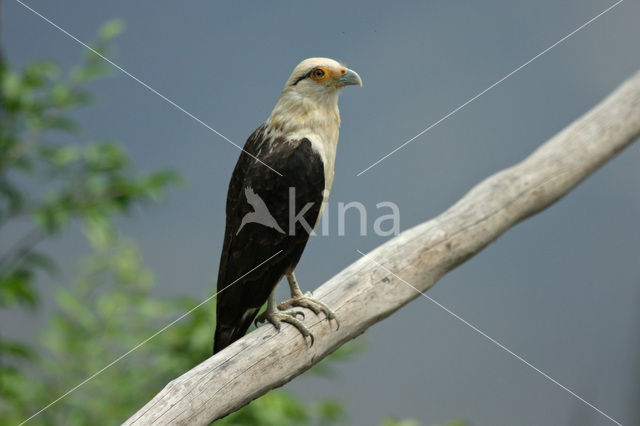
[(244, 290)]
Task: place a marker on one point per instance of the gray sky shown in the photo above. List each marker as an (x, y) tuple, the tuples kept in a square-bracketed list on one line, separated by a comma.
[(560, 289)]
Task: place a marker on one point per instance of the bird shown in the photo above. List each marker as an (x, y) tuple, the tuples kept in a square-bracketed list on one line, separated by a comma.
[(287, 165)]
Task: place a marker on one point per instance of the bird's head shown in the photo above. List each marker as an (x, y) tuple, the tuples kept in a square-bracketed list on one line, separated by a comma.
[(320, 79), (310, 96), (323, 73)]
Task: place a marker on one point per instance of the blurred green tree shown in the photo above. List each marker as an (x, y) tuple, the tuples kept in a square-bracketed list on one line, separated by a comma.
[(45, 180), (49, 178), (105, 313)]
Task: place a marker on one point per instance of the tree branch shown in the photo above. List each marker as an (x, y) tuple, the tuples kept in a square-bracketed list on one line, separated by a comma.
[(365, 293)]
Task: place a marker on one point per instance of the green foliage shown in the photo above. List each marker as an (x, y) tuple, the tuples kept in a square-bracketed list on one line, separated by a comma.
[(108, 311), (392, 421), (49, 177)]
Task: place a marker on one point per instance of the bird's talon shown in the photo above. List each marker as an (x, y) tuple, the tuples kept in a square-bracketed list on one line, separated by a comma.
[(267, 316), (276, 318), (294, 313), (314, 305)]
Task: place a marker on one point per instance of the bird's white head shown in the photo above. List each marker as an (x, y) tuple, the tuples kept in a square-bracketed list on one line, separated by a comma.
[(311, 93), (320, 79)]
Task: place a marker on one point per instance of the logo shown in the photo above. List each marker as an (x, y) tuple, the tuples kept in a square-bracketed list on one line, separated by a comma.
[(384, 225), (260, 213)]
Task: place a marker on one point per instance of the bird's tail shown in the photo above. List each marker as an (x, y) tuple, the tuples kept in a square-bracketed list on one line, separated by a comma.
[(223, 338), (226, 335)]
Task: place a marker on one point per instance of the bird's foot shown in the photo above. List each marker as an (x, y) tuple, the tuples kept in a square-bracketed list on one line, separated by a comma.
[(277, 317), (307, 301)]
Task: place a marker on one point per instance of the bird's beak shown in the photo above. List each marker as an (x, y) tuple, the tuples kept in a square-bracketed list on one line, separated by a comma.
[(350, 78)]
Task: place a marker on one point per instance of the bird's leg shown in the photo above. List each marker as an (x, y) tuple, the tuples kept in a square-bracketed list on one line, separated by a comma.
[(276, 317), (305, 300)]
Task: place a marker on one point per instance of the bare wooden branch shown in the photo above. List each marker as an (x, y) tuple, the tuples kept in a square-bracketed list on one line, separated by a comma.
[(364, 293)]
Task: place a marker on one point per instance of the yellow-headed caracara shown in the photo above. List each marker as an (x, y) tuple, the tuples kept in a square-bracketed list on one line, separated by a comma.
[(269, 213)]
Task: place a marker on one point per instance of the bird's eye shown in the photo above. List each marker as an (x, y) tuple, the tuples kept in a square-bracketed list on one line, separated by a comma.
[(318, 75)]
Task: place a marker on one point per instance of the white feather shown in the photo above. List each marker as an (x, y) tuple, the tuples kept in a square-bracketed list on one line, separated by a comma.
[(309, 109)]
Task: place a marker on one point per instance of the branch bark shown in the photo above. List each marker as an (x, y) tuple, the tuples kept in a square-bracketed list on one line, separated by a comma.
[(365, 293)]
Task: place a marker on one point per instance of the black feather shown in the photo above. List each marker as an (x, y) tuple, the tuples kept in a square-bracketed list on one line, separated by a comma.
[(301, 167)]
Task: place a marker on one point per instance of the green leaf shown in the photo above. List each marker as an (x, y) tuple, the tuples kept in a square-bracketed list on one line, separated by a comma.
[(392, 421), (99, 230), (11, 196), (53, 215), (16, 350), (102, 157), (16, 289), (35, 260), (64, 156), (90, 71), (11, 85), (330, 411), (39, 72), (111, 29)]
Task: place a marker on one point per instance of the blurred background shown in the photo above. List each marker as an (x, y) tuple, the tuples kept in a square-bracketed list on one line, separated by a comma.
[(113, 204)]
